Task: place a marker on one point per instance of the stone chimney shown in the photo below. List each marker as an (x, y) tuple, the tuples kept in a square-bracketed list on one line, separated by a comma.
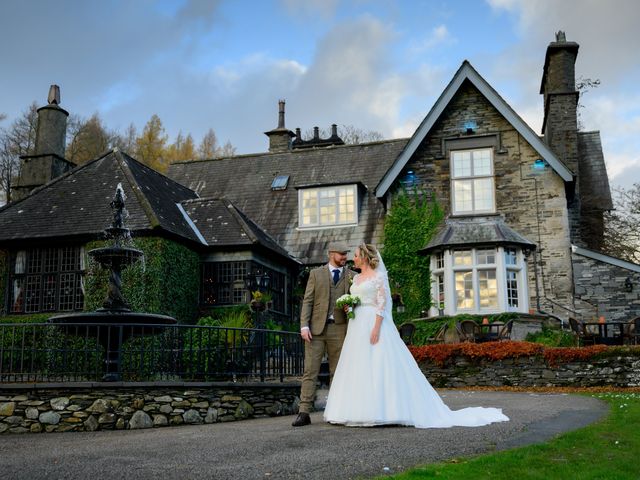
[(280, 137), (48, 161), (560, 124)]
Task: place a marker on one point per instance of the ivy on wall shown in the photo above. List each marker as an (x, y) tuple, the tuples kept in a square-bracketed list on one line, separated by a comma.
[(412, 221), (166, 281)]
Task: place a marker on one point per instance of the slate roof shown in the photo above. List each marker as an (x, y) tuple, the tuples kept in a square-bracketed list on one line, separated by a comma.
[(475, 231), (77, 204), (594, 182), (221, 224), (245, 181)]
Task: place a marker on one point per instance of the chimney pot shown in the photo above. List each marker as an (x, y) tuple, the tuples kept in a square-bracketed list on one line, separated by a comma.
[(281, 113), (54, 95), (316, 133), (334, 130)]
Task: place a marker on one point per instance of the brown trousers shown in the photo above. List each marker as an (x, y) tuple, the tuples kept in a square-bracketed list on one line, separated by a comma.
[(331, 341)]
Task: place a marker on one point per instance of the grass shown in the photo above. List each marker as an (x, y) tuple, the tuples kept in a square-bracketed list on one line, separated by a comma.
[(607, 450)]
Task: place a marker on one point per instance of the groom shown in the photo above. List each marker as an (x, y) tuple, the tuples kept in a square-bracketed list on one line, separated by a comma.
[(322, 325)]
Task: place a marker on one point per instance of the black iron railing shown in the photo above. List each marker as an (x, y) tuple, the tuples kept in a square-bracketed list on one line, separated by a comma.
[(42, 352)]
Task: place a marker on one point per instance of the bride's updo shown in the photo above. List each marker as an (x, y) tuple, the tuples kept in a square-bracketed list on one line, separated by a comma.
[(370, 253)]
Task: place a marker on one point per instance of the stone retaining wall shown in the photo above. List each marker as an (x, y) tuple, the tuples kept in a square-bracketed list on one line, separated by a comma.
[(100, 406), (623, 371)]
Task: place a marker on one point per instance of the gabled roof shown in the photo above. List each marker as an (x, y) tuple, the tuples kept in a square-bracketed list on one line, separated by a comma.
[(476, 231), (78, 202), (221, 224), (245, 180), (601, 257), (467, 72)]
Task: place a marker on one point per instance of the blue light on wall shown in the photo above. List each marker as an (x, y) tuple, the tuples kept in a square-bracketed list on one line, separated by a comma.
[(409, 179), (539, 164), (470, 126)]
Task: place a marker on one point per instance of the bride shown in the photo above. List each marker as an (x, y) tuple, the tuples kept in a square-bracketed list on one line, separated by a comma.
[(377, 381)]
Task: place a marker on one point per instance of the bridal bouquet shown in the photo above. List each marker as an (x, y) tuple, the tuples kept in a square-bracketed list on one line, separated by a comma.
[(350, 301)]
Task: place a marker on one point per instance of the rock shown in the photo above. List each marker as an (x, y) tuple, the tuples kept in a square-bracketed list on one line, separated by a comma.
[(274, 410), (91, 424), (72, 420), (15, 420), (200, 405), (49, 418), (20, 398), (166, 409), (3, 427), (244, 410), (31, 413), (138, 403), (176, 420), (120, 424), (74, 408), (106, 418), (31, 403), (163, 399), (192, 417), (59, 403), (231, 398), (19, 430), (212, 416), (7, 409), (140, 420), (80, 414), (191, 393), (99, 406), (181, 404), (160, 421), (35, 428)]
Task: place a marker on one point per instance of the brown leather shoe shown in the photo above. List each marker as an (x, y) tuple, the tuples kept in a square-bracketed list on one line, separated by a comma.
[(301, 420)]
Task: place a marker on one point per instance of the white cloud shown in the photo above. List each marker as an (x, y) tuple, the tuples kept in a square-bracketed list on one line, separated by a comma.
[(310, 8), (438, 36)]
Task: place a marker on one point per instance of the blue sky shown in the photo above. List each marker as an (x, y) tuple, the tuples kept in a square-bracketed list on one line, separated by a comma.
[(377, 65)]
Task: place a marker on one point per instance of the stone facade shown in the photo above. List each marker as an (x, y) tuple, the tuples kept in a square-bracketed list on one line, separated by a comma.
[(621, 371), (600, 290), (533, 204), (63, 408)]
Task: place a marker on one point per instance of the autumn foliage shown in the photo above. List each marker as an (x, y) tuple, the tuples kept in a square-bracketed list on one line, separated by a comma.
[(439, 354)]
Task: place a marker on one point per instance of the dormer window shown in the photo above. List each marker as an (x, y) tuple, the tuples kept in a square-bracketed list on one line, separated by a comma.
[(330, 206), (472, 185)]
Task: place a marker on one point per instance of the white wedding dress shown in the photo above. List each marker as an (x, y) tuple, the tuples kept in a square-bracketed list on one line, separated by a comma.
[(382, 384)]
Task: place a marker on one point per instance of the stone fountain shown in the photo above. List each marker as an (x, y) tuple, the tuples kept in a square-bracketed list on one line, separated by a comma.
[(114, 323)]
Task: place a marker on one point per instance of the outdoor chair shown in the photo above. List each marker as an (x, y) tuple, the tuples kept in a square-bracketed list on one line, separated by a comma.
[(583, 337), (505, 332), (439, 336), (406, 331), (469, 331), (631, 334)]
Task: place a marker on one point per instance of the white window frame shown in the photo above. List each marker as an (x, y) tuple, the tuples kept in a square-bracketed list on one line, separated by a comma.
[(445, 267), (470, 179), (351, 189)]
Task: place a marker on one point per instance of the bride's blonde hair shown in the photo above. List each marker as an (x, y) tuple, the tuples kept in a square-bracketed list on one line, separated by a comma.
[(369, 252)]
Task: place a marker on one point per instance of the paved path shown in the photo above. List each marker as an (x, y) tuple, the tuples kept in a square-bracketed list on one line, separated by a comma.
[(270, 448)]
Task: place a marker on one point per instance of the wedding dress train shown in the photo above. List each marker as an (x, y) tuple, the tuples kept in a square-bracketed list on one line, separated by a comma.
[(382, 383)]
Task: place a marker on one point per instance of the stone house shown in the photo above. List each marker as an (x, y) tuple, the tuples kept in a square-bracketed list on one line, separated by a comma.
[(523, 230)]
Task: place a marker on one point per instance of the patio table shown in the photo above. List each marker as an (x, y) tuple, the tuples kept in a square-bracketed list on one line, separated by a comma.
[(606, 332)]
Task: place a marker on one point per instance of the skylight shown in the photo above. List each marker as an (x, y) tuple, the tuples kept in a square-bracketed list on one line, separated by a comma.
[(280, 182)]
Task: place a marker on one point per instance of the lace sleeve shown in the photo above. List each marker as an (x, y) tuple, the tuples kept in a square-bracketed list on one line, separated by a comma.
[(381, 296)]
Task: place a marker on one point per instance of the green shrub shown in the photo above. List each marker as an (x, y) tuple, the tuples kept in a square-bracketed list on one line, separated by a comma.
[(552, 337), (4, 272)]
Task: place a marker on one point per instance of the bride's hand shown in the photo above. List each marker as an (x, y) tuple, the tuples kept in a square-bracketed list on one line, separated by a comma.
[(375, 336)]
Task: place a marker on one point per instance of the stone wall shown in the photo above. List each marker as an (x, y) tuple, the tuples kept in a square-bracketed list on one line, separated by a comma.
[(622, 371), (100, 406), (603, 284)]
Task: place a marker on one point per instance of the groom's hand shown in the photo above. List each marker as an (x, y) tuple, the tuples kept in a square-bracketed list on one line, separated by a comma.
[(305, 333)]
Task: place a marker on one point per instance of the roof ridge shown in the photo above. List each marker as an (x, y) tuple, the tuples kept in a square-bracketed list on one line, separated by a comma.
[(235, 212), (137, 191)]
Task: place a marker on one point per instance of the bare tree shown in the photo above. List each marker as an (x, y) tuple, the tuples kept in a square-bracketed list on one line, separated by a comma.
[(16, 140), (622, 225)]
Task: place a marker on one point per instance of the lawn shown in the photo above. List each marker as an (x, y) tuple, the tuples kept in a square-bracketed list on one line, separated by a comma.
[(607, 450)]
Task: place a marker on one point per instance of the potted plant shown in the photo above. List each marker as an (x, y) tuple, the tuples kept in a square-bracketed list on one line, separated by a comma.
[(260, 301)]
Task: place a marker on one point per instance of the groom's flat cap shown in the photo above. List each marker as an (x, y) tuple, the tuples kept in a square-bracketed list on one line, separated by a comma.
[(338, 247)]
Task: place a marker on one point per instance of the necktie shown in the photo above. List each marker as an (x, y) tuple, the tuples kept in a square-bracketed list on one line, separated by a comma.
[(336, 276)]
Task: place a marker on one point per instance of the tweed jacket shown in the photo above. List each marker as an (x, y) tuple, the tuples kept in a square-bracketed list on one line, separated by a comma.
[(315, 305)]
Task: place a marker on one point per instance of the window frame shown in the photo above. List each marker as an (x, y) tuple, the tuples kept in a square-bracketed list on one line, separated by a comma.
[(353, 188), (471, 179), (443, 266)]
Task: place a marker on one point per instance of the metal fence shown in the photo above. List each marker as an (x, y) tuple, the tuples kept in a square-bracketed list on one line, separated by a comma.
[(42, 352)]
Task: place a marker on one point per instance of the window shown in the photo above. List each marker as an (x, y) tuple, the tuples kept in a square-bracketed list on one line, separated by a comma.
[(472, 186), (328, 206), (47, 280), (479, 280), (224, 283)]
